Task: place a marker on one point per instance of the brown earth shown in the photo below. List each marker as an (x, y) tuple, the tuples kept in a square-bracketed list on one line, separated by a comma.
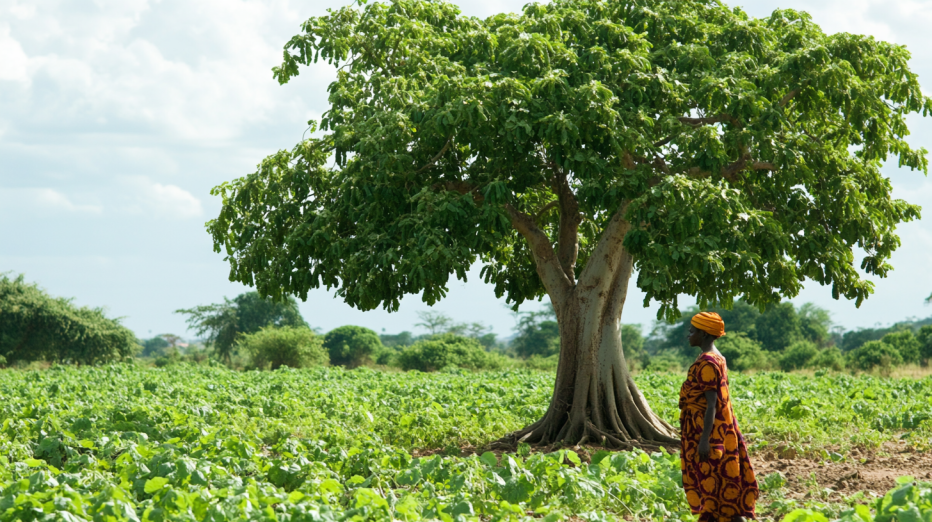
[(869, 470)]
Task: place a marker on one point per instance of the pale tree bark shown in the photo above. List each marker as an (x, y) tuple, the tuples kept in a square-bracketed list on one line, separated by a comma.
[(595, 399)]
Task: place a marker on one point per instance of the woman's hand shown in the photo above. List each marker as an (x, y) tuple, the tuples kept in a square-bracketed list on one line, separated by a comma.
[(704, 449)]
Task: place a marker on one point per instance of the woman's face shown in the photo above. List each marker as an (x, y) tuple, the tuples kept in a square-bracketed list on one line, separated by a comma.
[(696, 336)]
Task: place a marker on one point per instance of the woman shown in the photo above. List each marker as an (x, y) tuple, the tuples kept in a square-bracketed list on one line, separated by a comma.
[(717, 474)]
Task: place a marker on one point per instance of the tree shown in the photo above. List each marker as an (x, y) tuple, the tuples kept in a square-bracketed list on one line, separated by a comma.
[(798, 355), (445, 350), (538, 334), (35, 326), (153, 347), (906, 344), (815, 324), (778, 327), (274, 347), (247, 313), (924, 336), (351, 346), (569, 145), (741, 352)]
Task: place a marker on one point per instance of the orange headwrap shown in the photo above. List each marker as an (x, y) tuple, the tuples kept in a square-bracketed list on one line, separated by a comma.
[(709, 322)]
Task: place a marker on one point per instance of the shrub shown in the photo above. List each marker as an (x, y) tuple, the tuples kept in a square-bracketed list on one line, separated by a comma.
[(446, 350), (295, 347), (351, 346), (536, 362), (37, 327), (798, 355), (742, 353), (829, 358), (666, 362), (905, 343), (924, 336), (874, 354)]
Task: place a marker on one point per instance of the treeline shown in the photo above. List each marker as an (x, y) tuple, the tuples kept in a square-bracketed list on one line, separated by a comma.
[(249, 332)]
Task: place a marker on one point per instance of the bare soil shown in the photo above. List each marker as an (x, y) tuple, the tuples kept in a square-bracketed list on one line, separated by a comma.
[(869, 470)]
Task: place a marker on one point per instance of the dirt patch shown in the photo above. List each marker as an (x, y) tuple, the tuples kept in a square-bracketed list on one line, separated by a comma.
[(868, 470)]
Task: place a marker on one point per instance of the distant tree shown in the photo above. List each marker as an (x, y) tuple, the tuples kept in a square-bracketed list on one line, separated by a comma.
[(924, 336), (572, 145), (854, 339), (829, 358), (874, 354), (397, 340), (778, 327), (446, 350), (538, 334), (153, 347), (632, 341), (274, 347), (351, 346), (798, 355), (223, 322), (906, 344), (741, 352), (35, 326), (435, 322), (815, 324)]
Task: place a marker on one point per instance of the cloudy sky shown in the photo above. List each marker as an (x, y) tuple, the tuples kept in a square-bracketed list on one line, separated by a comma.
[(118, 116)]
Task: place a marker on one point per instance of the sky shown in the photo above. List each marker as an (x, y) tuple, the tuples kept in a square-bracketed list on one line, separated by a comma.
[(117, 117)]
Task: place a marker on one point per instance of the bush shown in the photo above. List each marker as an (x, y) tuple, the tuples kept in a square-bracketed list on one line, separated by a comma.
[(829, 359), (874, 354), (446, 350), (295, 347), (37, 327), (924, 336), (798, 355), (742, 353), (905, 343), (666, 362), (352, 346), (536, 362)]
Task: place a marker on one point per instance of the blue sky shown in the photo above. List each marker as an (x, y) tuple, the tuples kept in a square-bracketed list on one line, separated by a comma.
[(118, 116)]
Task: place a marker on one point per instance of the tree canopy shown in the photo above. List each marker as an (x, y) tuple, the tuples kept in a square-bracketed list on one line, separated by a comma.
[(744, 153), (35, 326), (245, 314)]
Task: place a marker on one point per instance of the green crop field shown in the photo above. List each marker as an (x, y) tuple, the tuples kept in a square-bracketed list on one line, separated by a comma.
[(185, 442)]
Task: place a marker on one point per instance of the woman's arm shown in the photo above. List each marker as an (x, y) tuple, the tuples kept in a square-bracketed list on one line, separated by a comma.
[(711, 399)]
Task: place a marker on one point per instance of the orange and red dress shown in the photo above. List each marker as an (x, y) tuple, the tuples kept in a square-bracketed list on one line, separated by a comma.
[(724, 486)]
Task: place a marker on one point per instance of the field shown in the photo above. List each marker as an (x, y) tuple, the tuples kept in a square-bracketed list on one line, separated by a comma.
[(185, 442)]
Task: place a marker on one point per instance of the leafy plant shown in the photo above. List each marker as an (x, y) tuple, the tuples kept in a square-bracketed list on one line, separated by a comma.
[(447, 350), (352, 346), (273, 348)]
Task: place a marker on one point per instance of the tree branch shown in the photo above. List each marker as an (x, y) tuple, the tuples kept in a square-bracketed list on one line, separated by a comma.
[(548, 267), (438, 156), (789, 96), (542, 211), (463, 187), (721, 118), (568, 235), (604, 261)]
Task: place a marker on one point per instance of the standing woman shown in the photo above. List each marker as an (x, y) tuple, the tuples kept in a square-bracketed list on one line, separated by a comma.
[(717, 474)]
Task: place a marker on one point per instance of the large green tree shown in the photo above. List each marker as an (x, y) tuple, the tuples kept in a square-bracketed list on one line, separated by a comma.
[(568, 146)]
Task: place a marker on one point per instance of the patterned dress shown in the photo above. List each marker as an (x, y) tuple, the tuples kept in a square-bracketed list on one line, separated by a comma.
[(724, 485)]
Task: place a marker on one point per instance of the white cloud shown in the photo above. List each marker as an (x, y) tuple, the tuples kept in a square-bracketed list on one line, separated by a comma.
[(13, 59), (147, 197), (41, 201)]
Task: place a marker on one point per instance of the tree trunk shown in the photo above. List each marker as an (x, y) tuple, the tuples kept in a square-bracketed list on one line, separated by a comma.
[(595, 399)]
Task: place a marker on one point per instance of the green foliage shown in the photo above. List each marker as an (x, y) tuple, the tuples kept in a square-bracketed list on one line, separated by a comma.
[(549, 363), (273, 347), (538, 334), (814, 324), (924, 336), (829, 359), (742, 353), (397, 340), (352, 346), (245, 314), (153, 347), (124, 443), (666, 362), (874, 354), (906, 344), (778, 328), (798, 355), (686, 118), (448, 350), (37, 327)]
